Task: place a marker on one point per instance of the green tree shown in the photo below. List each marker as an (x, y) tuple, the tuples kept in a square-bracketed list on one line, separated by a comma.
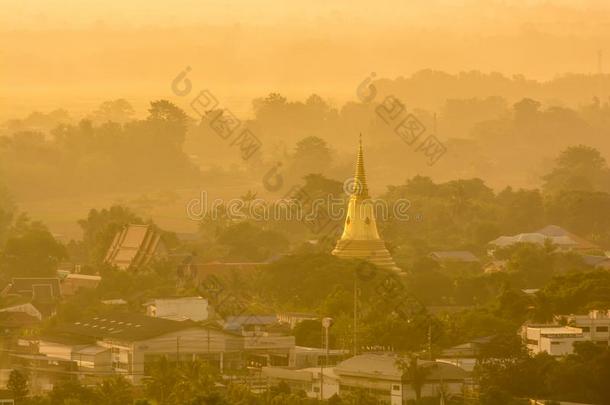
[(115, 391), (31, 250), (100, 228), (247, 241), (18, 385), (193, 378), (162, 380), (414, 374), (578, 168)]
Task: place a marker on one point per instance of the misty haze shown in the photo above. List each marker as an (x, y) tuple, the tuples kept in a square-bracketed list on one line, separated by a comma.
[(324, 202)]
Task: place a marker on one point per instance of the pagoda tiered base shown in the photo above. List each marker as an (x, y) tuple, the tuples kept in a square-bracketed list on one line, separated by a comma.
[(373, 251)]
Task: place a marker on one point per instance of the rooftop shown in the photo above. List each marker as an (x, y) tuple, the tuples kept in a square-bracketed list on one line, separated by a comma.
[(384, 366), (133, 246), (454, 256), (120, 326), (40, 288)]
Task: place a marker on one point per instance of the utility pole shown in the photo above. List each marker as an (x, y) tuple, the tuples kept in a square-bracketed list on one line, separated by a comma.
[(322, 369), (355, 316), (177, 349), (430, 338)]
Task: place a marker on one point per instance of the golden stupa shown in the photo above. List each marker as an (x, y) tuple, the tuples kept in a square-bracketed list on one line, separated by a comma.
[(360, 239)]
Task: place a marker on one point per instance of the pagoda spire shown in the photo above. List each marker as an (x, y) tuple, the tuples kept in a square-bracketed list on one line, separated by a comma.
[(360, 187), (360, 239)]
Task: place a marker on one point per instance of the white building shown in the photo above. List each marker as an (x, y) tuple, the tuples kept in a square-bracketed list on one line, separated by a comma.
[(125, 343), (595, 325), (555, 340), (179, 309), (377, 374)]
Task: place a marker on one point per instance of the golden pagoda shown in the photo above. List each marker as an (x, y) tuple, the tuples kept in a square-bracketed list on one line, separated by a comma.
[(360, 239)]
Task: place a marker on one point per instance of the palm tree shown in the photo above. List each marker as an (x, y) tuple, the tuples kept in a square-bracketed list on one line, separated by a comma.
[(115, 390), (414, 374), (193, 378), (162, 380)]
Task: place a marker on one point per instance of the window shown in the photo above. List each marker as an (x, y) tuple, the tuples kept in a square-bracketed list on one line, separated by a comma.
[(532, 342), (601, 329), (585, 329), (395, 387), (555, 343)]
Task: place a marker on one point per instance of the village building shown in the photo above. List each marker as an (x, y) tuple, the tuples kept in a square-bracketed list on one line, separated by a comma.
[(553, 339), (377, 374), (563, 239), (454, 256), (595, 325), (179, 309), (73, 282), (42, 293), (265, 341)]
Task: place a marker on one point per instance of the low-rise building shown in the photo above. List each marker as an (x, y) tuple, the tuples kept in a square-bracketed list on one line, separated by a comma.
[(43, 293), (265, 341), (74, 282), (381, 376), (595, 325), (377, 374), (553, 339), (126, 343), (315, 357), (454, 256), (178, 309)]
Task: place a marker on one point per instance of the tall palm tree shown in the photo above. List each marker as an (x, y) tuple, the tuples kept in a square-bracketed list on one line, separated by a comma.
[(193, 378), (162, 380)]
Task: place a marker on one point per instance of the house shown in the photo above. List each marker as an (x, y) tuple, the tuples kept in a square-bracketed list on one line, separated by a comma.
[(563, 243), (26, 308), (73, 282), (179, 309), (13, 323), (42, 293), (34, 288), (553, 339), (454, 256), (563, 239), (135, 246), (557, 231)]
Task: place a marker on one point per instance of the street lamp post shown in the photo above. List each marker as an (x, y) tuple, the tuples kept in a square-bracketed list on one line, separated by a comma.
[(326, 324)]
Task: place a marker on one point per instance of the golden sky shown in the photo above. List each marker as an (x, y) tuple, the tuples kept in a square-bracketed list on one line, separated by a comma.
[(74, 53)]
